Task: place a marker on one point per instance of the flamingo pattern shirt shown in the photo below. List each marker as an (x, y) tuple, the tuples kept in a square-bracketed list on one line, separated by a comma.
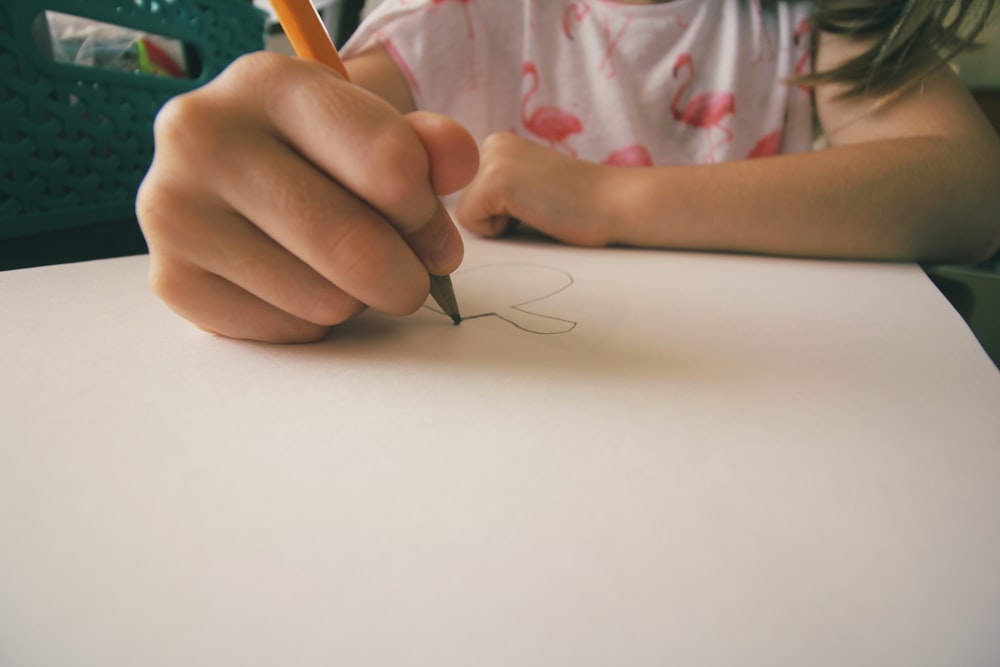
[(679, 82)]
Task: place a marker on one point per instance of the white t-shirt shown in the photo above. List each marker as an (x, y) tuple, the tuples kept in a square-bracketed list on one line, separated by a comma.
[(680, 82)]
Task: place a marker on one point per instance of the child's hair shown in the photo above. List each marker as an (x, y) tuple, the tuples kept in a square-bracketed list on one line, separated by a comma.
[(903, 33)]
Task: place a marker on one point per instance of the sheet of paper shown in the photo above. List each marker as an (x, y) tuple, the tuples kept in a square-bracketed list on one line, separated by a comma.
[(621, 457)]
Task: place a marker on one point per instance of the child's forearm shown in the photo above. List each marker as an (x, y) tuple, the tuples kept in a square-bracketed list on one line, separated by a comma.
[(921, 198)]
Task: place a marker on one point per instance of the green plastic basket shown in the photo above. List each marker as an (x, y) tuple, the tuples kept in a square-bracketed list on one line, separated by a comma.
[(76, 141)]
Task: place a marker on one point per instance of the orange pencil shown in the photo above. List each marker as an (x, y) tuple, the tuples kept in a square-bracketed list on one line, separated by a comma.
[(310, 40)]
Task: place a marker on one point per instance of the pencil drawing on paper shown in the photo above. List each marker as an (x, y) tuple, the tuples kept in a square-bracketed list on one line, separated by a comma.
[(513, 292)]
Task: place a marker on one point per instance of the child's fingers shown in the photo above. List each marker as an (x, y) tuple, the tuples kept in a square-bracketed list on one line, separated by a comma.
[(454, 159), (281, 199), (551, 192), (486, 206), (490, 225), (198, 296), (328, 228), (341, 237), (359, 141), (223, 243), (254, 262), (438, 244), (357, 138)]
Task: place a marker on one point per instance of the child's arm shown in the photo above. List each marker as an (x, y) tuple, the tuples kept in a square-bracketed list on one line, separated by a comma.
[(916, 179), (283, 200)]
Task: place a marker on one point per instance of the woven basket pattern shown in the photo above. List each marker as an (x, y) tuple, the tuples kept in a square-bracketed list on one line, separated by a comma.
[(75, 142)]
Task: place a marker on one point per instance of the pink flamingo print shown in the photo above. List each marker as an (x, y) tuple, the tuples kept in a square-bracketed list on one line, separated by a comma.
[(634, 155), (547, 122), (706, 110), (575, 11), (769, 144), (607, 67)]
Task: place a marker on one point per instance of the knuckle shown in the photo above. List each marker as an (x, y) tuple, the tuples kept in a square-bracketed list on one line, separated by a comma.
[(150, 201), (195, 131), (167, 284), (251, 65), (183, 124), (177, 168), (198, 121), (155, 210), (488, 168), (494, 180), (258, 71), (147, 206), (493, 142), (495, 161), (498, 144)]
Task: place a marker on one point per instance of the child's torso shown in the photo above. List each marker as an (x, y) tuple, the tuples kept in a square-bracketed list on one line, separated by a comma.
[(682, 82)]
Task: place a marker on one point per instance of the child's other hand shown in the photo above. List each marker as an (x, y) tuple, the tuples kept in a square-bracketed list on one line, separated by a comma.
[(283, 200), (541, 187)]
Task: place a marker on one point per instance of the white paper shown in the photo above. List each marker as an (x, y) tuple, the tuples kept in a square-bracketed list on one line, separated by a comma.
[(642, 458)]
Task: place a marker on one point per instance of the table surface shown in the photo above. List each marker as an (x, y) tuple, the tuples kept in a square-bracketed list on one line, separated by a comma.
[(654, 458)]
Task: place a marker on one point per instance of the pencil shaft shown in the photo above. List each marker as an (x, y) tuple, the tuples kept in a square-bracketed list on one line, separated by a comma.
[(305, 30)]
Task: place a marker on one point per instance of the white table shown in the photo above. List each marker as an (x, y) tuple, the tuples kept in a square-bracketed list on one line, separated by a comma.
[(727, 461)]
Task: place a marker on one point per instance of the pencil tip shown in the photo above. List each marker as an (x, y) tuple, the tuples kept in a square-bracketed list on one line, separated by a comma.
[(444, 294)]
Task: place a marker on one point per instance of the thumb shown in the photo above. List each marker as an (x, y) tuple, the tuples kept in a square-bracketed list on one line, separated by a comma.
[(453, 161), (454, 158)]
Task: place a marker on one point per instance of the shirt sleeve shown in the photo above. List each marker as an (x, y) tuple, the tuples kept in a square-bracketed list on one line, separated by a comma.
[(460, 59), (430, 43)]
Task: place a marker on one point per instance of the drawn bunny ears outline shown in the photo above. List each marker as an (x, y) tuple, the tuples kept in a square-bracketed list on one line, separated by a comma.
[(504, 290)]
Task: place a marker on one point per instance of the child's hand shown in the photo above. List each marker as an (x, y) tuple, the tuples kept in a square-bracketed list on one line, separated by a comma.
[(550, 191), (283, 200)]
